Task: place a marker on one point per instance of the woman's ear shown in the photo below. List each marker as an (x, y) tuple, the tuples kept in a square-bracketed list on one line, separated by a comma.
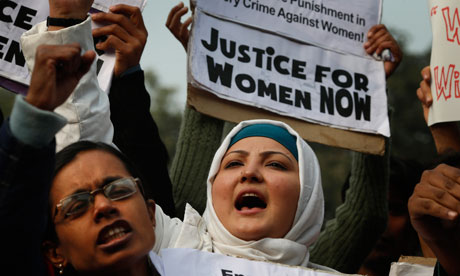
[(151, 209), (53, 254)]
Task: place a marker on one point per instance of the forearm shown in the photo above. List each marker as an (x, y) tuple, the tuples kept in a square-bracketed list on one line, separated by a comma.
[(446, 137), (25, 177), (447, 253), (360, 220), (199, 138), (137, 136)]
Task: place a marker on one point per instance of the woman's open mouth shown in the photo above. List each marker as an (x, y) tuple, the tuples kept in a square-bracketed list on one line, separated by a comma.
[(250, 200), (114, 236)]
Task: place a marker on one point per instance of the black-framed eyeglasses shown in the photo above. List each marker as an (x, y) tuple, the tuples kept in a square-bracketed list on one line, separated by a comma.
[(77, 204)]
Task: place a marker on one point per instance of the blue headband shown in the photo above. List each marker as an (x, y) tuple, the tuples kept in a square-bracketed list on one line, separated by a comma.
[(279, 134)]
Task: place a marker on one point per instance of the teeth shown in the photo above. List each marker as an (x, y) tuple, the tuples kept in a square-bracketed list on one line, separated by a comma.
[(249, 194), (115, 233)]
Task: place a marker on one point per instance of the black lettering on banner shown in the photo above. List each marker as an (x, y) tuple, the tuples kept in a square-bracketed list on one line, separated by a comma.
[(240, 81), (361, 82), (4, 4), (212, 45), (342, 109), (285, 95), (23, 18), (336, 78), (13, 52), (216, 72), (302, 99), (362, 106), (345, 103), (327, 100), (319, 73), (259, 55), (228, 53), (269, 90), (244, 57), (278, 61), (226, 272), (3, 41), (297, 69), (270, 52)]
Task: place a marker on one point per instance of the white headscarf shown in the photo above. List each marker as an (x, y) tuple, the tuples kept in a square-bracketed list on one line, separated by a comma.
[(293, 248)]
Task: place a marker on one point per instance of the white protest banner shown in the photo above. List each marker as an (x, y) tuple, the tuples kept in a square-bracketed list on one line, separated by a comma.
[(18, 16), (196, 262), (292, 79), (332, 24), (445, 65)]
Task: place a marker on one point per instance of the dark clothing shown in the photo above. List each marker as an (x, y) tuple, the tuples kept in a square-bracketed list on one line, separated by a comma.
[(137, 136), (25, 178)]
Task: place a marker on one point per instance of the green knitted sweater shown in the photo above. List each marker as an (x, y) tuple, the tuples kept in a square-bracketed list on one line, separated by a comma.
[(345, 241)]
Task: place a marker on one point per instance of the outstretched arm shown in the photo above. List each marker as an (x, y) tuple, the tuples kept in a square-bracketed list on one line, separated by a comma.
[(130, 102), (27, 155), (348, 238)]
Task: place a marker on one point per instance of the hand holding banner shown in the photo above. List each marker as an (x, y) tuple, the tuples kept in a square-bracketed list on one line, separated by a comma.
[(445, 66)]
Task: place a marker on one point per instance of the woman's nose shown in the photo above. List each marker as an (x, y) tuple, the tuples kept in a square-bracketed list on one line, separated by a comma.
[(251, 173), (104, 208)]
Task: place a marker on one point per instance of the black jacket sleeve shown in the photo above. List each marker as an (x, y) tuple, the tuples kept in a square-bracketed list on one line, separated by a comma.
[(25, 179), (137, 136)]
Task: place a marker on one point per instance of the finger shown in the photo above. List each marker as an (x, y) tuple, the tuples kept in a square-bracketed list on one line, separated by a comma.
[(374, 29), (421, 96), (377, 33), (420, 207), (124, 9), (453, 174), (382, 46), (133, 13), (113, 30), (113, 42), (426, 73), (67, 58), (173, 12), (184, 32), (426, 90), (115, 19), (437, 193), (175, 23)]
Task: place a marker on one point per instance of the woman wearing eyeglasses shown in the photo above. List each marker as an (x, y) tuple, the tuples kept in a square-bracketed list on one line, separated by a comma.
[(99, 217)]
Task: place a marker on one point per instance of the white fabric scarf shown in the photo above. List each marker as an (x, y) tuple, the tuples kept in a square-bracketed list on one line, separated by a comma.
[(293, 248)]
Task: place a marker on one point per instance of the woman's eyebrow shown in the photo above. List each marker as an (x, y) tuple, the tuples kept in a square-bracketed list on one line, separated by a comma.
[(242, 152), (268, 153), (105, 181)]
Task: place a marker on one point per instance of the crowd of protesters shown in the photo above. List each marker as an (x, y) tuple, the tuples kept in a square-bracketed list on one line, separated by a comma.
[(105, 203)]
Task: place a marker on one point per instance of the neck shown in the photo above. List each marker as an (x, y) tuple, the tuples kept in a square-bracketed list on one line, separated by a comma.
[(140, 268)]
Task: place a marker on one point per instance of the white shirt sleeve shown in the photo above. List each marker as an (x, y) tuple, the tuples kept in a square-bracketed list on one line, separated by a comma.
[(87, 109)]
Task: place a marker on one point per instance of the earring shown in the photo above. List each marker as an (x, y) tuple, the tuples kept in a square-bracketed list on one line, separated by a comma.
[(61, 269)]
